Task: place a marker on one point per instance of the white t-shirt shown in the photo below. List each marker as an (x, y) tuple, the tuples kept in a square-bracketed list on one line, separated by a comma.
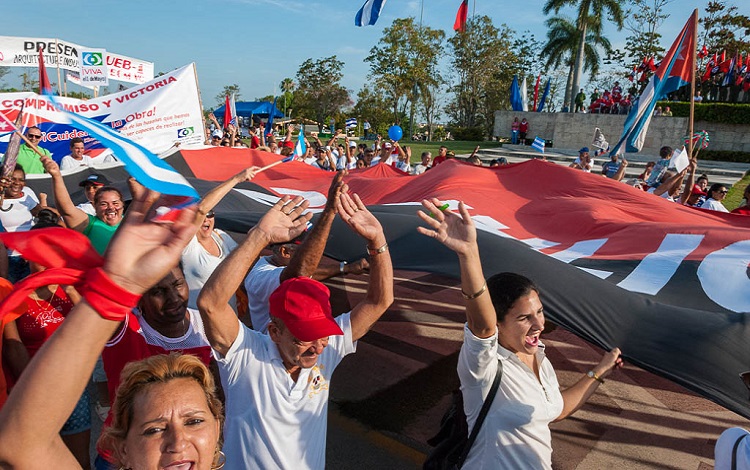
[(260, 283), (18, 217), (516, 429), (87, 207), (580, 163), (198, 264), (70, 163), (273, 421), (714, 205), (419, 169)]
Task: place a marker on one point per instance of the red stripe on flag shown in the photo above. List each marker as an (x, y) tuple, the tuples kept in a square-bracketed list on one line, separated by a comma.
[(463, 12)]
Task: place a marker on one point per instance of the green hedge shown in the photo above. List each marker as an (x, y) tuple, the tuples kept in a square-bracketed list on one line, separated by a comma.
[(468, 133), (724, 156), (723, 113)]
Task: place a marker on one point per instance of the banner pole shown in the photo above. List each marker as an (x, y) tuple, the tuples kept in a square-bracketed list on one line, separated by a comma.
[(200, 102), (57, 50), (692, 86)]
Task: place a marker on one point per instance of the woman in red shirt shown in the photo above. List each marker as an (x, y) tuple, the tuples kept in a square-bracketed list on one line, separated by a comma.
[(523, 128)]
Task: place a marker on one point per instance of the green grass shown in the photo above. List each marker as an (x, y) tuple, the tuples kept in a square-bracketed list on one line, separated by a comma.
[(458, 146), (733, 199)]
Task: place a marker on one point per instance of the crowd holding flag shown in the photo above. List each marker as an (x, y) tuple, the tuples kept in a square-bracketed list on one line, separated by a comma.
[(463, 12), (674, 71), (369, 13)]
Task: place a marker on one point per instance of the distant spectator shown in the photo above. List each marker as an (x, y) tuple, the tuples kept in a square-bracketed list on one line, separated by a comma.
[(523, 129), (441, 156), (424, 165), (716, 194), (698, 98), (594, 96), (667, 112), (744, 209), (610, 168), (658, 111), (514, 131), (580, 99), (647, 172), (584, 161)]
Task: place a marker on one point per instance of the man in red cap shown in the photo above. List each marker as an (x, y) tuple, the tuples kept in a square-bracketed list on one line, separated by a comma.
[(277, 385)]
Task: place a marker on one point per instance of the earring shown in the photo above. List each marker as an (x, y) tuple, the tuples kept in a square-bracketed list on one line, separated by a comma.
[(220, 461)]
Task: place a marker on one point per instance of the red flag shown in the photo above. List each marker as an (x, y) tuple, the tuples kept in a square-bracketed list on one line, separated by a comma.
[(651, 64), (536, 90), (463, 12), (709, 68), (227, 113), (725, 65), (45, 88), (704, 52)]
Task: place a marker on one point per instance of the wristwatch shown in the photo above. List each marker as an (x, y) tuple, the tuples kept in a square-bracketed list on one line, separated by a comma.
[(593, 375), (341, 267)]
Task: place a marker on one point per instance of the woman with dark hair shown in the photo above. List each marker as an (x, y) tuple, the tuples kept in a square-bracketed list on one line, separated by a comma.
[(20, 205), (716, 193), (505, 318)]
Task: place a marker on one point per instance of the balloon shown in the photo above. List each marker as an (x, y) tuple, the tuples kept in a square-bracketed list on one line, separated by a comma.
[(395, 132)]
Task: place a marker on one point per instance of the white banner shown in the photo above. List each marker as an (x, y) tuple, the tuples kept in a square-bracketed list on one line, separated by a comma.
[(158, 114), (23, 52), (74, 78), (94, 67)]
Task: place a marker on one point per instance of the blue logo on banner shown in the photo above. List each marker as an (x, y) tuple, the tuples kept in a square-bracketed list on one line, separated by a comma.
[(92, 59), (185, 132)]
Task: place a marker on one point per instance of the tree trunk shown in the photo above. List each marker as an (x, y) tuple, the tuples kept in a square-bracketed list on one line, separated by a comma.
[(568, 101), (578, 71)]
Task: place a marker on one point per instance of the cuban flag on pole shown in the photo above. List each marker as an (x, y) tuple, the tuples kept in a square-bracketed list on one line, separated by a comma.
[(369, 13), (538, 144), (141, 163), (6, 125), (674, 71), (300, 148), (351, 122)]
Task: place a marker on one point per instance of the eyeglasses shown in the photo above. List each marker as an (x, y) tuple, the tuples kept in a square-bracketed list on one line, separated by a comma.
[(723, 192), (210, 214), (34, 136)]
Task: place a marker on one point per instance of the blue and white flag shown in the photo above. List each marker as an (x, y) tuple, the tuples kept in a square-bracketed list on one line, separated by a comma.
[(351, 122), (515, 95), (538, 144), (369, 13), (544, 97), (300, 148), (142, 164), (269, 122)]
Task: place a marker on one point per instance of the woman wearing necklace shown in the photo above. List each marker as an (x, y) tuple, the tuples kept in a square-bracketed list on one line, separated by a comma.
[(210, 246), (47, 308)]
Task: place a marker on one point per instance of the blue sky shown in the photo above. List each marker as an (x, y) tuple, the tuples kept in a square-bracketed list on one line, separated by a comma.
[(257, 43)]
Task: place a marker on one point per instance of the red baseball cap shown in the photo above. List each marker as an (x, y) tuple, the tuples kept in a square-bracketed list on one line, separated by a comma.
[(697, 190), (304, 305)]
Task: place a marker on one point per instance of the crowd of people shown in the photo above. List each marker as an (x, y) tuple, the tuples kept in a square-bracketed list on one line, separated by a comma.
[(212, 355)]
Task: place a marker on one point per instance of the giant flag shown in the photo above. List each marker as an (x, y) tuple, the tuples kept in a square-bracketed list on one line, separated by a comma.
[(674, 71), (666, 283), (369, 13)]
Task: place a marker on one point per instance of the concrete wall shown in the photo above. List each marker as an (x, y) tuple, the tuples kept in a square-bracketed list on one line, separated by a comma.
[(575, 130)]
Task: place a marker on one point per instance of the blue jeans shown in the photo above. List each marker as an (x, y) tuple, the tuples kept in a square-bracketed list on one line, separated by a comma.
[(514, 137)]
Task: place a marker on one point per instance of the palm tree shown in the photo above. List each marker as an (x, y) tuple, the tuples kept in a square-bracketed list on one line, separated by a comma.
[(287, 85), (562, 44), (590, 13)]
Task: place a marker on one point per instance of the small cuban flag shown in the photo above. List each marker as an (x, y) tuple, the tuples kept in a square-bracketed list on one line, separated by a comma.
[(6, 125), (300, 148), (351, 122), (538, 144), (369, 13)]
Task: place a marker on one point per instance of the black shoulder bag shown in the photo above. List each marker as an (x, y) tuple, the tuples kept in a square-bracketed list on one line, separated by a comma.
[(453, 443)]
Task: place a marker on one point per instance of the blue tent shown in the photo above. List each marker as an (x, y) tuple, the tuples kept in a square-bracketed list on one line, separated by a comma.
[(262, 109)]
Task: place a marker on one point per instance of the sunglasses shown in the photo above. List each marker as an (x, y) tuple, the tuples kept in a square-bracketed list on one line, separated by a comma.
[(33, 136), (210, 214), (723, 192)]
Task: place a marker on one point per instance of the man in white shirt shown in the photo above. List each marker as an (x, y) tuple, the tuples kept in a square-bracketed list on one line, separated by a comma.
[(277, 385), (425, 165), (78, 159), (294, 258)]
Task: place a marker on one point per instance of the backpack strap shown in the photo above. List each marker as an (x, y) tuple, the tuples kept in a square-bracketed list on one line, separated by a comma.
[(734, 450), (482, 414)]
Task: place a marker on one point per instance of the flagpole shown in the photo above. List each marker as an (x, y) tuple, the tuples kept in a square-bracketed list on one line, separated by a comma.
[(692, 84), (200, 101), (58, 66)]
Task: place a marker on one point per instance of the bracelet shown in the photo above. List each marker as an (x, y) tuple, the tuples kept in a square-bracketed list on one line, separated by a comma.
[(110, 301), (593, 375), (341, 267), (476, 294), (377, 251)]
